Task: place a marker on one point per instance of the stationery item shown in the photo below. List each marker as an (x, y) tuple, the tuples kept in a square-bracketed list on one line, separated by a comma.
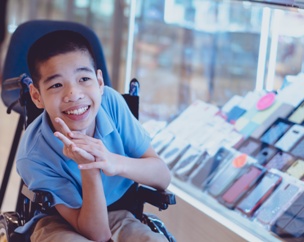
[(253, 200), (290, 224), (296, 169), (250, 99), (276, 130), (190, 156), (278, 110), (245, 105), (235, 113), (250, 146), (162, 140), (185, 172), (249, 128), (298, 149), (290, 138), (266, 101), (154, 126), (174, 151), (297, 115), (242, 185), (262, 115), (264, 155), (276, 203), (193, 117), (241, 123), (228, 174), (281, 161), (206, 171)]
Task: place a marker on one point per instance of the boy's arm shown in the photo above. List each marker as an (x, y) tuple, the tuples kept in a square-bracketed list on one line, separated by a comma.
[(91, 220), (149, 170)]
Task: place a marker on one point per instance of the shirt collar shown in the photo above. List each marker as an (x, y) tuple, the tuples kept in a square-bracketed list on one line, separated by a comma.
[(103, 124)]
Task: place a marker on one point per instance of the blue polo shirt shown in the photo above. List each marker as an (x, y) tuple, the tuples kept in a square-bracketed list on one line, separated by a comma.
[(43, 166)]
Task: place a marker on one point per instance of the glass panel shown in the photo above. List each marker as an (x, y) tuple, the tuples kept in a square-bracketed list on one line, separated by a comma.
[(211, 50)]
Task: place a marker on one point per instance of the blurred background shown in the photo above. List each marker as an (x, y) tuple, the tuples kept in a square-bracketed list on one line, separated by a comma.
[(179, 50)]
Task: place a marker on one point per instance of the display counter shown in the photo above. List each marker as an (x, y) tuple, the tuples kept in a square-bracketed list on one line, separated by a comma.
[(219, 100), (249, 177)]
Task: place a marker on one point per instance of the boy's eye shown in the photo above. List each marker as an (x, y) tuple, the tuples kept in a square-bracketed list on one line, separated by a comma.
[(84, 79), (55, 86)]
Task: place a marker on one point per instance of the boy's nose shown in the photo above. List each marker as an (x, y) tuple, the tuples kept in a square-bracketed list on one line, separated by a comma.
[(73, 95)]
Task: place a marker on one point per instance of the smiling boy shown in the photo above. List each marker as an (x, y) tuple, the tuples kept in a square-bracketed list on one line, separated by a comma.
[(86, 148)]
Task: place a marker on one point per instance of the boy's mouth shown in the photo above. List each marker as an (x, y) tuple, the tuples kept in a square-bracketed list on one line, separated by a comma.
[(78, 111)]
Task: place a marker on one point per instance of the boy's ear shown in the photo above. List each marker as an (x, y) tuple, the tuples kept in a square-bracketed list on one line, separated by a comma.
[(100, 81), (36, 97)]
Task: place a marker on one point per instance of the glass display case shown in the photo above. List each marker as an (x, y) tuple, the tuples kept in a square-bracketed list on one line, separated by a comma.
[(221, 97)]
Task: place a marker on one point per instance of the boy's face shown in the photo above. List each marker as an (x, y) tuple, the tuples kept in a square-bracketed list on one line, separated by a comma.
[(70, 89)]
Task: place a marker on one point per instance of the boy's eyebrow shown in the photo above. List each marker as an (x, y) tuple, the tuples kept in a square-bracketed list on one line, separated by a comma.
[(48, 79), (84, 68)]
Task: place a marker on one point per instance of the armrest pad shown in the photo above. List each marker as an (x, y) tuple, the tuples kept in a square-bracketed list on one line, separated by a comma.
[(158, 198), (43, 198)]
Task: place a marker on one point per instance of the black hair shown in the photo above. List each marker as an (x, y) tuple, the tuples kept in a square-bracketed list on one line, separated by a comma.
[(52, 44)]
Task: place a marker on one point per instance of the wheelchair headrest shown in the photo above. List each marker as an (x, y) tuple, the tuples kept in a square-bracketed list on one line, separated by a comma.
[(25, 35)]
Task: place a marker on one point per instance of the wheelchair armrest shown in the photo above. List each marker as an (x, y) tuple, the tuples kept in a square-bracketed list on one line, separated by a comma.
[(43, 198), (158, 198)]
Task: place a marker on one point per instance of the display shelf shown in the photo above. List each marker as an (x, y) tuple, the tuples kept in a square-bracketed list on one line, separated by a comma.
[(221, 50), (238, 224)]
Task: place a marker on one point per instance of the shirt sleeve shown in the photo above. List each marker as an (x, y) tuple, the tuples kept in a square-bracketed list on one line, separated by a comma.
[(38, 176), (135, 138)]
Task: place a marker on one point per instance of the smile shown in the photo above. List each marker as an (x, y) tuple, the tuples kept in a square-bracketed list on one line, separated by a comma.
[(77, 111)]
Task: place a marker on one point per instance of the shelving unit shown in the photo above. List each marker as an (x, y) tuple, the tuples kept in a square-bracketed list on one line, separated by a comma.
[(239, 225), (221, 49)]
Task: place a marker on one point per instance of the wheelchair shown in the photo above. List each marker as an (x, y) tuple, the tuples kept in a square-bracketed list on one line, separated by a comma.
[(15, 95)]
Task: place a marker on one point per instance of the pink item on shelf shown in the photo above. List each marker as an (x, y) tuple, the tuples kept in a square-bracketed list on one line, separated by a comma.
[(266, 101)]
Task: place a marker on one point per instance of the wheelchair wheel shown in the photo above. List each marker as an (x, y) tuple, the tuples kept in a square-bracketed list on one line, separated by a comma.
[(3, 230), (9, 221), (157, 226)]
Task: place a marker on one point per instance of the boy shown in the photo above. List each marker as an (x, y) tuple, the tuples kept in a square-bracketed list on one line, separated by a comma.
[(86, 148)]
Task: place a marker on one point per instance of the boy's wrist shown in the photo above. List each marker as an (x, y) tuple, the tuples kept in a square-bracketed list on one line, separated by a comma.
[(91, 172)]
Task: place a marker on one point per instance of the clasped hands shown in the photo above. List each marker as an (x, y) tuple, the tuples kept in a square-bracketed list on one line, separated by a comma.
[(86, 151)]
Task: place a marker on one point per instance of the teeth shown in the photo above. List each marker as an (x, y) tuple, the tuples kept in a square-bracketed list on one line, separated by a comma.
[(78, 111)]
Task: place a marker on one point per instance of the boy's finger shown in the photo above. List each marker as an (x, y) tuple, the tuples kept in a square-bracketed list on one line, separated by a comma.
[(94, 165), (63, 138), (83, 154), (64, 128)]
